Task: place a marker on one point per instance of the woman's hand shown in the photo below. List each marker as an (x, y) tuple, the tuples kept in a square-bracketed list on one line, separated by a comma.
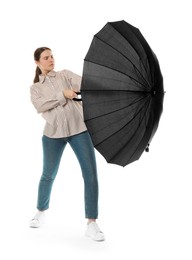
[(69, 93)]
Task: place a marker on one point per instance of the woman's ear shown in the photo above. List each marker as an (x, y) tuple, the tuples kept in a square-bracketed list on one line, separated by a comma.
[(38, 64)]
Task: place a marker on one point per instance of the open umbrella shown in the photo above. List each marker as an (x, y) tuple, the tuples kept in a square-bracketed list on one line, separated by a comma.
[(122, 92)]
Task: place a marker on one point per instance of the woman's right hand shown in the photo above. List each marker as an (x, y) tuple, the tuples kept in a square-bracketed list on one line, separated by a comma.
[(69, 93)]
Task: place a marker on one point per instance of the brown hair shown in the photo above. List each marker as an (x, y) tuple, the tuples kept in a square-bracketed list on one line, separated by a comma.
[(37, 55)]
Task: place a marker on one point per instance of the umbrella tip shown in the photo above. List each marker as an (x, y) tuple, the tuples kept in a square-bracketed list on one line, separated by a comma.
[(147, 148)]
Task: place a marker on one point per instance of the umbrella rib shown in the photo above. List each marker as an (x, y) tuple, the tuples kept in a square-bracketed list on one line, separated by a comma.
[(122, 127), (107, 78), (114, 155), (133, 45), (116, 110), (126, 57), (131, 137), (141, 121), (117, 71)]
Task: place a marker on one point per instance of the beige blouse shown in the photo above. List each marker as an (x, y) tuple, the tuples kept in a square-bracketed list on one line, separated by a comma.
[(64, 117)]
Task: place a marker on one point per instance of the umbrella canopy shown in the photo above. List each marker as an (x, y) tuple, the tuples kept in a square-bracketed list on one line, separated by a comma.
[(122, 92)]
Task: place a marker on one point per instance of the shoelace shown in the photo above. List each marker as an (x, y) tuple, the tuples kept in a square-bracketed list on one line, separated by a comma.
[(96, 228)]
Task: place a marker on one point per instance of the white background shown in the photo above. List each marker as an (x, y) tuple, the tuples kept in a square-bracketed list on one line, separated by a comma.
[(145, 208)]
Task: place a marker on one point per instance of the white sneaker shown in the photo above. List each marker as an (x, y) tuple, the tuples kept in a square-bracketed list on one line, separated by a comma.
[(38, 220), (93, 231)]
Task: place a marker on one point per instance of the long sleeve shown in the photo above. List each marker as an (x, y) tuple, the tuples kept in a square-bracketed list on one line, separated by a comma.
[(64, 117), (74, 80), (44, 103)]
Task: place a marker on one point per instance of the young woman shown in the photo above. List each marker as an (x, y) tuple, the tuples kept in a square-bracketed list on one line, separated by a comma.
[(52, 95)]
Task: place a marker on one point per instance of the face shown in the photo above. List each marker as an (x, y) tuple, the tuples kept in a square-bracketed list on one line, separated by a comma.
[(46, 62)]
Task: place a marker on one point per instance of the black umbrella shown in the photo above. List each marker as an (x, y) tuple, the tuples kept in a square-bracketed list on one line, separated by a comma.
[(122, 92)]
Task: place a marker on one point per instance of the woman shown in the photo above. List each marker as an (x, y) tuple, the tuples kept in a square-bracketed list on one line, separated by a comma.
[(52, 95)]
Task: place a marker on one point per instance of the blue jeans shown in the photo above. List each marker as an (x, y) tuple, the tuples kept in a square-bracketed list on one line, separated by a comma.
[(52, 152)]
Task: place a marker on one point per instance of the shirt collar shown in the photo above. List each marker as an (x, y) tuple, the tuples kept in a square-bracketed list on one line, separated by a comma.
[(43, 77)]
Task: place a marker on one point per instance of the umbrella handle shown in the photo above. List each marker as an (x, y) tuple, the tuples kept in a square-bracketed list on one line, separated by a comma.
[(77, 99)]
